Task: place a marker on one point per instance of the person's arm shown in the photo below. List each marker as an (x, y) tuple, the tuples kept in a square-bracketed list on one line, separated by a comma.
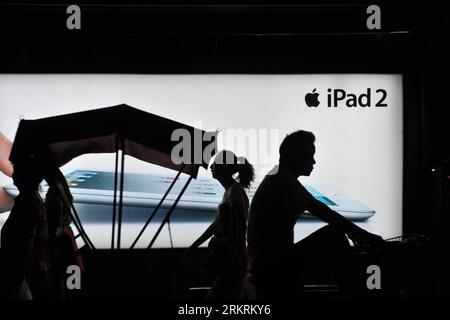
[(209, 232), (206, 235), (324, 213), (305, 200)]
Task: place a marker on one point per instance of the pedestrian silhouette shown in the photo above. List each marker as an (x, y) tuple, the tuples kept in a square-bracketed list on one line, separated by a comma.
[(19, 232), (275, 261), (227, 256)]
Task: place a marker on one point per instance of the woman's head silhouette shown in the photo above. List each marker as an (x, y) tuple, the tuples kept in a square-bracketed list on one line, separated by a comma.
[(226, 164)]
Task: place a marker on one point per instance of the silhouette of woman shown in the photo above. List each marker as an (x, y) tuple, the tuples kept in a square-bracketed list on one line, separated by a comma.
[(227, 254)]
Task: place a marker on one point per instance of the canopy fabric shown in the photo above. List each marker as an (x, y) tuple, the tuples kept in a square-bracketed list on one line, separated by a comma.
[(140, 134)]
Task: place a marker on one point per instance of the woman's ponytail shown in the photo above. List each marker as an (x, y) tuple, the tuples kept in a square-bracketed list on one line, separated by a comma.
[(246, 172)]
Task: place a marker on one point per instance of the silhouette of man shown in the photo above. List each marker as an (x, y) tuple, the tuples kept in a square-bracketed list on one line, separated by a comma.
[(19, 231), (280, 199)]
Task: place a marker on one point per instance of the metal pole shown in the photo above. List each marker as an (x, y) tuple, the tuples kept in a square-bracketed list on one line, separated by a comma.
[(115, 196), (168, 214), (75, 218), (157, 207), (122, 164)]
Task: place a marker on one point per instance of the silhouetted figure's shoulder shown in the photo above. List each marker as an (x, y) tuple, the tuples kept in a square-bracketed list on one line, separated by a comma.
[(281, 187), (275, 207), (237, 196)]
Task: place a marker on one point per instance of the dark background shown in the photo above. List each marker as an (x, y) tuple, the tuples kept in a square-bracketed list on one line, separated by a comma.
[(262, 37)]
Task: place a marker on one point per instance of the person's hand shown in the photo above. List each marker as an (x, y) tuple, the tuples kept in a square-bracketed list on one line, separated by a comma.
[(367, 239)]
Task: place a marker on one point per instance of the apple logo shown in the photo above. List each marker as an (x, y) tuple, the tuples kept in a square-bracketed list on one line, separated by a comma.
[(311, 99)]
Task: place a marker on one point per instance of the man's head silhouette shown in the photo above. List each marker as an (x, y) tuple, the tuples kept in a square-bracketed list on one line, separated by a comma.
[(297, 152)]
